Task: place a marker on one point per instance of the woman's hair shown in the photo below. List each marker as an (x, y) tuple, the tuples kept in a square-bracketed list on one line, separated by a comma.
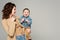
[(7, 10), (26, 9)]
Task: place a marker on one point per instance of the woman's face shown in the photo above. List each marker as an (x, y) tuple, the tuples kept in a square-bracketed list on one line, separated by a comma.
[(26, 13), (13, 11)]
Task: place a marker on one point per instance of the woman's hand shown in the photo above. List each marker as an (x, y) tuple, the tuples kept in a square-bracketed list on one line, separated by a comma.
[(28, 30)]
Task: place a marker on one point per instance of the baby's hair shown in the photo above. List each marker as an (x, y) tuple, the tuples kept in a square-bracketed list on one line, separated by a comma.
[(26, 9)]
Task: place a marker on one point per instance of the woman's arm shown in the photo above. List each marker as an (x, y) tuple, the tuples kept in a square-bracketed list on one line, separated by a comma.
[(5, 26), (9, 27)]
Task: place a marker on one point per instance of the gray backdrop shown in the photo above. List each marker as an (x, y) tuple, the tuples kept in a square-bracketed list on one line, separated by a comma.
[(45, 15)]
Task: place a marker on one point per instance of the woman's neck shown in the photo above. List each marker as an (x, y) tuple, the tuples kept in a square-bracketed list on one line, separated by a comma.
[(10, 16)]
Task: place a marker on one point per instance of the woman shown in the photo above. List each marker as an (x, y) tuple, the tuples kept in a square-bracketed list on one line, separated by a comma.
[(8, 18), (10, 22)]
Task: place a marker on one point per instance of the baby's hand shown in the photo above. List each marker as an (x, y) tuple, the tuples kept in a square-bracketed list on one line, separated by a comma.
[(22, 20), (27, 21)]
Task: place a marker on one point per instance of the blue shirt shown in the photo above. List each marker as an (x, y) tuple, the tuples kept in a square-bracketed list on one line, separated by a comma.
[(24, 23)]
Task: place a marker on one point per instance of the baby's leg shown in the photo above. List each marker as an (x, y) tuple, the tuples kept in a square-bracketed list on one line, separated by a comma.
[(27, 33)]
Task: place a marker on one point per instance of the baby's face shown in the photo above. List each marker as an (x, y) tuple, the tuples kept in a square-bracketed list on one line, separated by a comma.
[(26, 13)]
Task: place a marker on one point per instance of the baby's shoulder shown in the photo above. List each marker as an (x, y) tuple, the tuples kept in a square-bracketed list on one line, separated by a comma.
[(29, 17)]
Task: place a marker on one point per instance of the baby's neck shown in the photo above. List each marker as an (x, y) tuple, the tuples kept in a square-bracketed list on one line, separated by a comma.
[(26, 16)]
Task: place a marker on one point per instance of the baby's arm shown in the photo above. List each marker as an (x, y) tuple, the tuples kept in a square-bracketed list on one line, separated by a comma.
[(21, 19)]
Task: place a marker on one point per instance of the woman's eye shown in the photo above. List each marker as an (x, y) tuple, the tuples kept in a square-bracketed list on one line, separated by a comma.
[(14, 9)]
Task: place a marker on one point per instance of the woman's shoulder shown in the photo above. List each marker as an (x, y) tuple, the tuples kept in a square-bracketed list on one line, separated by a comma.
[(3, 20)]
